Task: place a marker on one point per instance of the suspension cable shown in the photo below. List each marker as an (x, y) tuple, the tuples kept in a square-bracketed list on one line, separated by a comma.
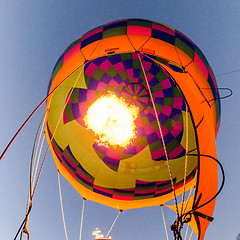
[(185, 238), (83, 206), (191, 235), (160, 130), (192, 187), (35, 149), (113, 224), (186, 162), (37, 155), (60, 197), (32, 165), (33, 191), (164, 223)]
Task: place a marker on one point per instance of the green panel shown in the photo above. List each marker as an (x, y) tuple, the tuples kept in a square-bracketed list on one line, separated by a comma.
[(112, 72), (140, 23), (185, 48), (113, 32), (98, 74)]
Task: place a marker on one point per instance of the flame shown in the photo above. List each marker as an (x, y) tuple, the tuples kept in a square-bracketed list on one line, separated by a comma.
[(97, 233), (112, 120)]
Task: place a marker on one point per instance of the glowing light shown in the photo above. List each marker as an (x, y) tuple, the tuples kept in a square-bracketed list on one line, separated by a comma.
[(112, 120), (98, 234)]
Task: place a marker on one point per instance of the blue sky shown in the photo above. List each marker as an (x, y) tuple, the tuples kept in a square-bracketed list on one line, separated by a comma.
[(33, 36)]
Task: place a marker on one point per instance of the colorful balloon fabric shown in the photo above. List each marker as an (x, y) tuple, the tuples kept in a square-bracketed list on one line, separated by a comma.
[(162, 73)]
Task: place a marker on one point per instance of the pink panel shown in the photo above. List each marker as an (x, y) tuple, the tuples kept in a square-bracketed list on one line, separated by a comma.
[(158, 94), (65, 120), (113, 83), (84, 177), (92, 33), (83, 108), (146, 65), (102, 87), (91, 95), (102, 189), (139, 148), (163, 29), (157, 154), (166, 110), (90, 69), (153, 112), (71, 52), (105, 65), (163, 190), (114, 154), (129, 73), (69, 171), (149, 129), (201, 65), (119, 67), (177, 103), (213, 78), (69, 161), (139, 122), (149, 76), (80, 121), (177, 129), (127, 198), (166, 83), (136, 30), (164, 132), (174, 153)]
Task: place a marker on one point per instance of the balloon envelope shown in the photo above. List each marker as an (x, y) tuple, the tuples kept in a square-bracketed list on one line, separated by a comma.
[(162, 73)]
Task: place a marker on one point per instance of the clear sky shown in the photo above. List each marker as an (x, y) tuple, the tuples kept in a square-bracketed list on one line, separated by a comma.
[(33, 36)]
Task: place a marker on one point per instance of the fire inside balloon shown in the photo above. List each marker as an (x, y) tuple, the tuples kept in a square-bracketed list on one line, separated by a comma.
[(112, 120)]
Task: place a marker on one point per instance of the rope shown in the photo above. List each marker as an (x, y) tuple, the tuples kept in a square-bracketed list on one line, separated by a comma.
[(186, 232), (20, 129), (23, 222), (113, 225), (163, 142), (29, 197), (38, 152), (60, 196), (40, 171), (191, 235), (186, 162), (83, 206), (164, 223), (32, 164), (226, 73), (192, 187)]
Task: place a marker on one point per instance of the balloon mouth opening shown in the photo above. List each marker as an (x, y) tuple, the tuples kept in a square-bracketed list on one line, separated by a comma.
[(112, 120)]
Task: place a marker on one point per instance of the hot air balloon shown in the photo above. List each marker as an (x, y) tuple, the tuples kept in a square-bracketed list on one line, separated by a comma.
[(131, 119)]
